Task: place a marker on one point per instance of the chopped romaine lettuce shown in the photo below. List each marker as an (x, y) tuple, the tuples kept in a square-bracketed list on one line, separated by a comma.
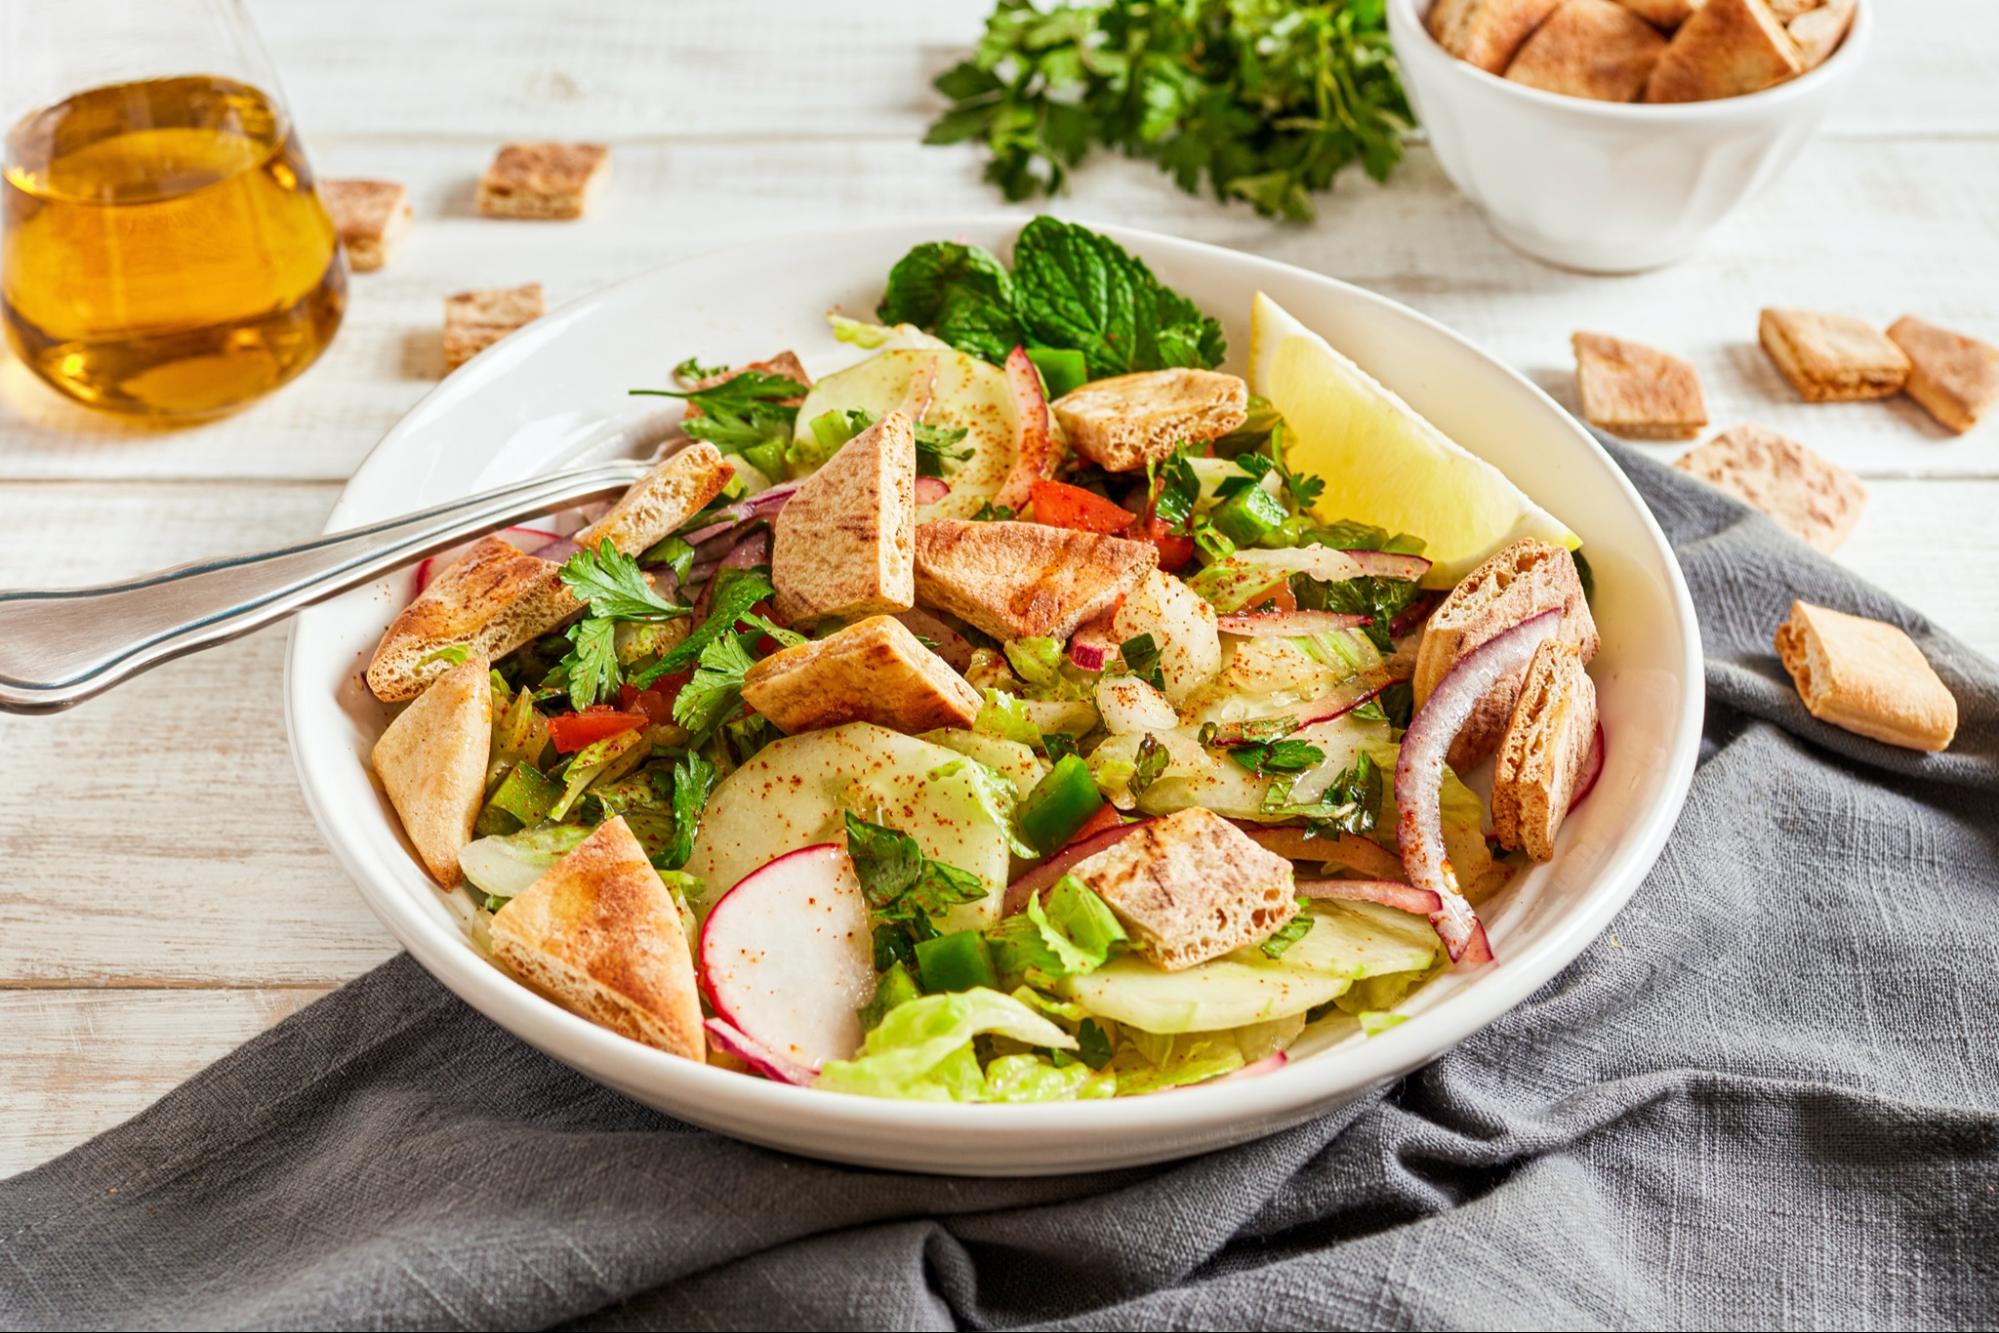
[(923, 1050), (506, 866)]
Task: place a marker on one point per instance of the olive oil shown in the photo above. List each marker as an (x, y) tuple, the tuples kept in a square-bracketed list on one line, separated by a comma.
[(165, 254)]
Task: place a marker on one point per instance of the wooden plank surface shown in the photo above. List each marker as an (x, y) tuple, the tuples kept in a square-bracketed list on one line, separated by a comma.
[(168, 895)]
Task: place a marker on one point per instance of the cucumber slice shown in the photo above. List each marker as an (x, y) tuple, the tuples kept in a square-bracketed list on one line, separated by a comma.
[(1347, 942)]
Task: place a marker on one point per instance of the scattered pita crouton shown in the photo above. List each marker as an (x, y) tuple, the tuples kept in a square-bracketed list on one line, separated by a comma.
[(1637, 390), (1817, 501), (1954, 376), (1486, 32), (1666, 14), (1191, 887), (942, 638), (1832, 358), (1127, 421), (1589, 48), (432, 762), (544, 180), (844, 545), (371, 217), (1522, 579), (872, 671), (1726, 48), (662, 500), (474, 321), (1546, 745), (1024, 580), (599, 934), (1818, 32), (489, 601), (1867, 677), (1786, 10)]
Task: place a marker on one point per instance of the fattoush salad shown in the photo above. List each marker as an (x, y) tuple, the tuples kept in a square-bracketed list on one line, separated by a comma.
[(1029, 710)]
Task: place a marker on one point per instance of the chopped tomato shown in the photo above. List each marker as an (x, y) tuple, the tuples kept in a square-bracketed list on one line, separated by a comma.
[(1175, 549), (1277, 597), (572, 731), (1107, 817), (1060, 505), (652, 702)]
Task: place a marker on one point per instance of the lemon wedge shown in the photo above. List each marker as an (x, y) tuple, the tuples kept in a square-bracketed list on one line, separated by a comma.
[(1382, 462)]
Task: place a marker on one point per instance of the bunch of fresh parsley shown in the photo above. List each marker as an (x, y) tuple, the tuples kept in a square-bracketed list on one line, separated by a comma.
[(1261, 100)]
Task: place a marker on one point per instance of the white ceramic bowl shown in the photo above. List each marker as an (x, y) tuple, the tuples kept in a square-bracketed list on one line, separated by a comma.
[(1608, 187), (557, 390)]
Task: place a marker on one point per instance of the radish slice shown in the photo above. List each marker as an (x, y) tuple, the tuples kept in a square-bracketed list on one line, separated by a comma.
[(1091, 646), (1285, 624), (1347, 850), (1414, 614), (1387, 892), (929, 490), (787, 959), (1419, 776), (1031, 452), (1044, 875), (768, 1063), (1592, 769)]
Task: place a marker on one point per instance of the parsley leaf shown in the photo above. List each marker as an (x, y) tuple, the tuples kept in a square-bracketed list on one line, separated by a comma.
[(590, 669), (1059, 744), (988, 512), (1288, 934), (1179, 487), (715, 688), (735, 592), (1140, 655), (1266, 757), (673, 553), (691, 371), (1093, 1044), (613, 585), (1348, 804), (1380, 600), (693, 780), (746, 414), (899, 881)]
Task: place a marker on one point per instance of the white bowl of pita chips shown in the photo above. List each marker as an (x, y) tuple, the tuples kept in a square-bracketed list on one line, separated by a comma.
[(557, 391), (1618, 185)]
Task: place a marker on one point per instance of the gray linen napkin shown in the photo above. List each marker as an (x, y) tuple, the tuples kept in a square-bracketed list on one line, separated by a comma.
[(1768, 1097)]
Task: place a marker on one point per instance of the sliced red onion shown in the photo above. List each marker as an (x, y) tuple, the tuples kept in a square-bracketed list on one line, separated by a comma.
[(751, 550), (768, 501), (1592, 769), (1419, 775), (1414, 614), (724, 521), (1285, 624), (1350, 851), (1387, 892), (757, 1056), (1031, 439), (929, 490), (1342, 700), (1091, 646), (1044, 875)]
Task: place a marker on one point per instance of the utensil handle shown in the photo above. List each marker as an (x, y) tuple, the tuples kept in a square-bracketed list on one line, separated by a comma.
[(59, 647)]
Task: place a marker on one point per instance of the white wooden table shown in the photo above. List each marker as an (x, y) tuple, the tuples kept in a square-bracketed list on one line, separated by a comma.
[(163, 893)]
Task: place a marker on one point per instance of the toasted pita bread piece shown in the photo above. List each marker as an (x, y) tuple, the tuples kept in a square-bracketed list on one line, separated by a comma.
[(662, 500), (1832, 358), (1486, 32), (544, 180), (1546, 745), (432, 762), (1726, 48), (873, 671), (1635, 390), (1953, 375), (474, 321), (1665, 14), (1127, 421), (1818, 32), (1024, 580), (1520, 580), (844, 545), (490, 601), (600, 935), (1589, 48), (1867, 677), (1191, 887), (371, 217), (1816, 500)]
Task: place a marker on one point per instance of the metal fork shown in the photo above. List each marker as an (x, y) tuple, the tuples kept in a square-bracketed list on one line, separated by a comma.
[(59, 647)]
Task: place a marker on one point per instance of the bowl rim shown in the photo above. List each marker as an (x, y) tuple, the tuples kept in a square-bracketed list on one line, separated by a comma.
[(1304, 1088), (1749, 106)]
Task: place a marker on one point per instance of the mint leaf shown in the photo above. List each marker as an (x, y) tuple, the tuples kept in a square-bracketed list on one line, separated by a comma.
[(1149, 765), (961, 293), (1078, 289)]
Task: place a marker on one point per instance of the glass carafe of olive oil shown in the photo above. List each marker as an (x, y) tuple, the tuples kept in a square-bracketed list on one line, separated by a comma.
[(164, 254)]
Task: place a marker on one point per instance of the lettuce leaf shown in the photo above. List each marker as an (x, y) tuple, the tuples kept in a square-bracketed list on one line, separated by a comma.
[(922, 1050)]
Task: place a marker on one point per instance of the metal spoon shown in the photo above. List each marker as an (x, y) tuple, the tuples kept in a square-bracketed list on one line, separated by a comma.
[(59, 647)]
